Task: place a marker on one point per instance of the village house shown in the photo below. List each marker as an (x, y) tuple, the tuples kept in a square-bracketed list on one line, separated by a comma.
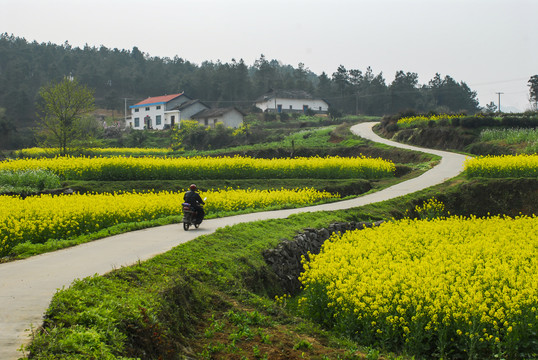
[(229, 117), (190, 108), (164, 112), (156, 112), (291, 101)]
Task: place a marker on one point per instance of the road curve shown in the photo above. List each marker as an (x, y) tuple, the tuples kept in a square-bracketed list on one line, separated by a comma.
[(26, 286)]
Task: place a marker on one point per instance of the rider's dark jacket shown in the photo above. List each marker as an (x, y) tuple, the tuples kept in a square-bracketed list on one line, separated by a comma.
[(193, 198)]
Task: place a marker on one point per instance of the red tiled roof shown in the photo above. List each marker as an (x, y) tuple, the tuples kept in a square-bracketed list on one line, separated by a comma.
[(158, 99)]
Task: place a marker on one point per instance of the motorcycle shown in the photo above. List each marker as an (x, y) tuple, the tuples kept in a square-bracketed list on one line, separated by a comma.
[(189, 217)]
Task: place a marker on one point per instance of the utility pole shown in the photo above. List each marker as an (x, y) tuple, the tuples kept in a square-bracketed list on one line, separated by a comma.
[(499, 93), (125, 111)]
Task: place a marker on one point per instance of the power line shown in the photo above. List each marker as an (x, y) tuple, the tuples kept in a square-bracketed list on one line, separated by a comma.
[(498, 82)]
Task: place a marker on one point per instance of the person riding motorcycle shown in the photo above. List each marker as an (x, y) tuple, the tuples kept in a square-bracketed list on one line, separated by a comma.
[(194, 199)]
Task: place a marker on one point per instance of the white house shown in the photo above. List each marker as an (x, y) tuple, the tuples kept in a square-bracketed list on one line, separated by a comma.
[(157, 112), (229, 117), (162, 112), (298, 101)]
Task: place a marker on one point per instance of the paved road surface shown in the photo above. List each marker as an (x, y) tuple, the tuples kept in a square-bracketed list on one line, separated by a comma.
[(26, 286)]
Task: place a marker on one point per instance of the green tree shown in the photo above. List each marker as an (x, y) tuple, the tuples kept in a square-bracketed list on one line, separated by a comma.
[(490, 108), (5, 129), (374, 94), (264, 75), (533, 85), (301, 77), (341, 79), (60, 112), (404, 92), (448, 93), (324, 87), (235, 82)]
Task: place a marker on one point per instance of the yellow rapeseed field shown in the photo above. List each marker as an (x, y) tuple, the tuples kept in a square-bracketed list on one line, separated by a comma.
[(238, 167), (423, 119), (467, 287), (39, 218), (521, 165)]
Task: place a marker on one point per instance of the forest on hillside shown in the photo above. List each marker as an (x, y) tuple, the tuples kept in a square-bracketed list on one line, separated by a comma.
[(122, 77)]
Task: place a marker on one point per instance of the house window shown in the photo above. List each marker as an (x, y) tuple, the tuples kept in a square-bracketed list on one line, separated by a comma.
[(137, 109), (206, 122), (320, 108), (291, 107), (158, 107), (158, 120), (137, 122), (147, 108)]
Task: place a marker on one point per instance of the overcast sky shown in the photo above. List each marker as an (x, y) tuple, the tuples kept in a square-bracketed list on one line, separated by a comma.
[(492, 45)]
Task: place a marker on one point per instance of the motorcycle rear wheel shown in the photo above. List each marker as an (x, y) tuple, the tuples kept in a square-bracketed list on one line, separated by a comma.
[(186, 226)]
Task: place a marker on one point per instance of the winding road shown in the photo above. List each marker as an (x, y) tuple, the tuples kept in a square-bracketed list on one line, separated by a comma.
[(27, 286)]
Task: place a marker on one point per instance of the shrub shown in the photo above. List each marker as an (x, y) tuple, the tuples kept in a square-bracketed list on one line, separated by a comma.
[(519, 121), (473, 122), (269, 116), (25, 181)]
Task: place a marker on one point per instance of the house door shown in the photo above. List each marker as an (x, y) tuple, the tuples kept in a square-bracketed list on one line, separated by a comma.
[(279, 108), (305, 108), (172, 120)]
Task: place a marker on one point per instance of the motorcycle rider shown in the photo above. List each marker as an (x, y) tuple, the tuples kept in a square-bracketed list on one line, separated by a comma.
[(194, 199)]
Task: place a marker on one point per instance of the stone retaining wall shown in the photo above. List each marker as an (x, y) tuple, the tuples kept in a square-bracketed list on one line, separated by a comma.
[(285, 259)]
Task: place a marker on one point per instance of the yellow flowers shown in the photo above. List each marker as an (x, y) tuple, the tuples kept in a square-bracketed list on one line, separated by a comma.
[(40, 218), (232, 200), (430, 209), (461, 278), (157, 168), (423, 120), (502, 166)]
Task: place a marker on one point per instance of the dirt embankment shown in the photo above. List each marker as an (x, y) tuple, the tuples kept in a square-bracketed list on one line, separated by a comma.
[(483, 197), (444, 138), (447, 138)]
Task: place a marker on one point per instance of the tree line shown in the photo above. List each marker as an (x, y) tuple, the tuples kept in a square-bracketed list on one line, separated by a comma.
[(127, 76)]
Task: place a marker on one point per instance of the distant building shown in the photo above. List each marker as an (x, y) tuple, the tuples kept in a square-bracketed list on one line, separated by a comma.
[(190, 108), (291, 101), (157, 112), (163, 112), (229, 117)]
